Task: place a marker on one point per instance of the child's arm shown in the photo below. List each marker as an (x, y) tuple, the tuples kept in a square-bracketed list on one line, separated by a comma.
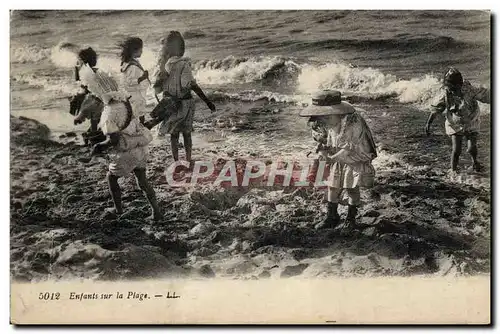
[(89, 105), (482, 94), (431, 118), (111, 140), (77, 73), (197, 89), (134, 75), (158, 78), (188, 82), (437, 108), (144, 76), (82, 116)]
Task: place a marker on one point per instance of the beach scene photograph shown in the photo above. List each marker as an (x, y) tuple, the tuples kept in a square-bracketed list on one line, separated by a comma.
[(249, 145)]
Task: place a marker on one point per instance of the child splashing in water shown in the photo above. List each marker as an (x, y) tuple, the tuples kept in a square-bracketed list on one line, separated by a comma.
[(175, 80), (134, 79)]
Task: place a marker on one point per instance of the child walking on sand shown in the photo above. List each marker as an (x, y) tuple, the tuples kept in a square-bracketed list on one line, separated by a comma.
[(134, 79), (175, 80), (127, 140)]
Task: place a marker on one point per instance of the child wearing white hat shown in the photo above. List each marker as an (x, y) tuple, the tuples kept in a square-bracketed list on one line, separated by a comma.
[(347, 143)]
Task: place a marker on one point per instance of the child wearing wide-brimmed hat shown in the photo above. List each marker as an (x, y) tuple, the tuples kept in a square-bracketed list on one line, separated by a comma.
[(346, 142)]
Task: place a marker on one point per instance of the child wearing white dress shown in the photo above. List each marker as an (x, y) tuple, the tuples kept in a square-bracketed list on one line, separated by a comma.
[(84, 105), (458, 103), (134, 79), (127, 139), (176, 81)]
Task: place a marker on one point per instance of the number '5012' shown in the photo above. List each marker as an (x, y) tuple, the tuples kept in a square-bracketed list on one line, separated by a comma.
[(49, 296)]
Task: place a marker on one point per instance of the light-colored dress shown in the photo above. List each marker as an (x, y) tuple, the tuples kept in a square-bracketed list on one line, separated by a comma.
[(91, 109), (461, 113), (131, 152), (132, 149), (177, 82), (350, 149), (130, 73)]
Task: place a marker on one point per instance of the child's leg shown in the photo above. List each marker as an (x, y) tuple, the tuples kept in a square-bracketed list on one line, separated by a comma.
[(333, 195), (93, 124), (115, 192), (354, 196), (140, 174), (188, 145), (332, 218), (472, 148), (456, 141), (354, 200), (174, 143)]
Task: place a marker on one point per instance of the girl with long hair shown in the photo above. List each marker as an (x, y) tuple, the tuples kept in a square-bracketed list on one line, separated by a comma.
[(174, 78), (134, 79)]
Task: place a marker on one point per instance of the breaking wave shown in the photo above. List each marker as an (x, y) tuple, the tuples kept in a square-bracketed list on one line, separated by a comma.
[(28, 54), (245, 70), (306, 78), (273, 73), (367, 82), (360, 84)]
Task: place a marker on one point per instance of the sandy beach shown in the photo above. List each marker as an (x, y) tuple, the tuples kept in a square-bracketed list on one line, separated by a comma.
[(415, 221)]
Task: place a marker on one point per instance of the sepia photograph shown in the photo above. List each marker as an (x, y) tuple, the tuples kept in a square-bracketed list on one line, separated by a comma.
[(217, 153)]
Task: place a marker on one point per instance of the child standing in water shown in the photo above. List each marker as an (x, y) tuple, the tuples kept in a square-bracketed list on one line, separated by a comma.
[(134, 79), (175, 80), (458, 104)]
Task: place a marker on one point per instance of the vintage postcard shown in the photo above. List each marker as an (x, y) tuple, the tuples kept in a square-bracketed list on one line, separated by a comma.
[(250, 167)]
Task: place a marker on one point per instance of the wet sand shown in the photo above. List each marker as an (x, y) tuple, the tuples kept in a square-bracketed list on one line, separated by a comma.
[(415, 221)]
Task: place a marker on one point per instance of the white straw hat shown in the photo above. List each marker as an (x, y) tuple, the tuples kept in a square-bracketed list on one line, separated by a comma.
[(327, 102)]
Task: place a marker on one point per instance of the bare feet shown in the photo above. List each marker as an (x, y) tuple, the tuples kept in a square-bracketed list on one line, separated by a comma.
[(111, 213), (477, 167), (155, 216)]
